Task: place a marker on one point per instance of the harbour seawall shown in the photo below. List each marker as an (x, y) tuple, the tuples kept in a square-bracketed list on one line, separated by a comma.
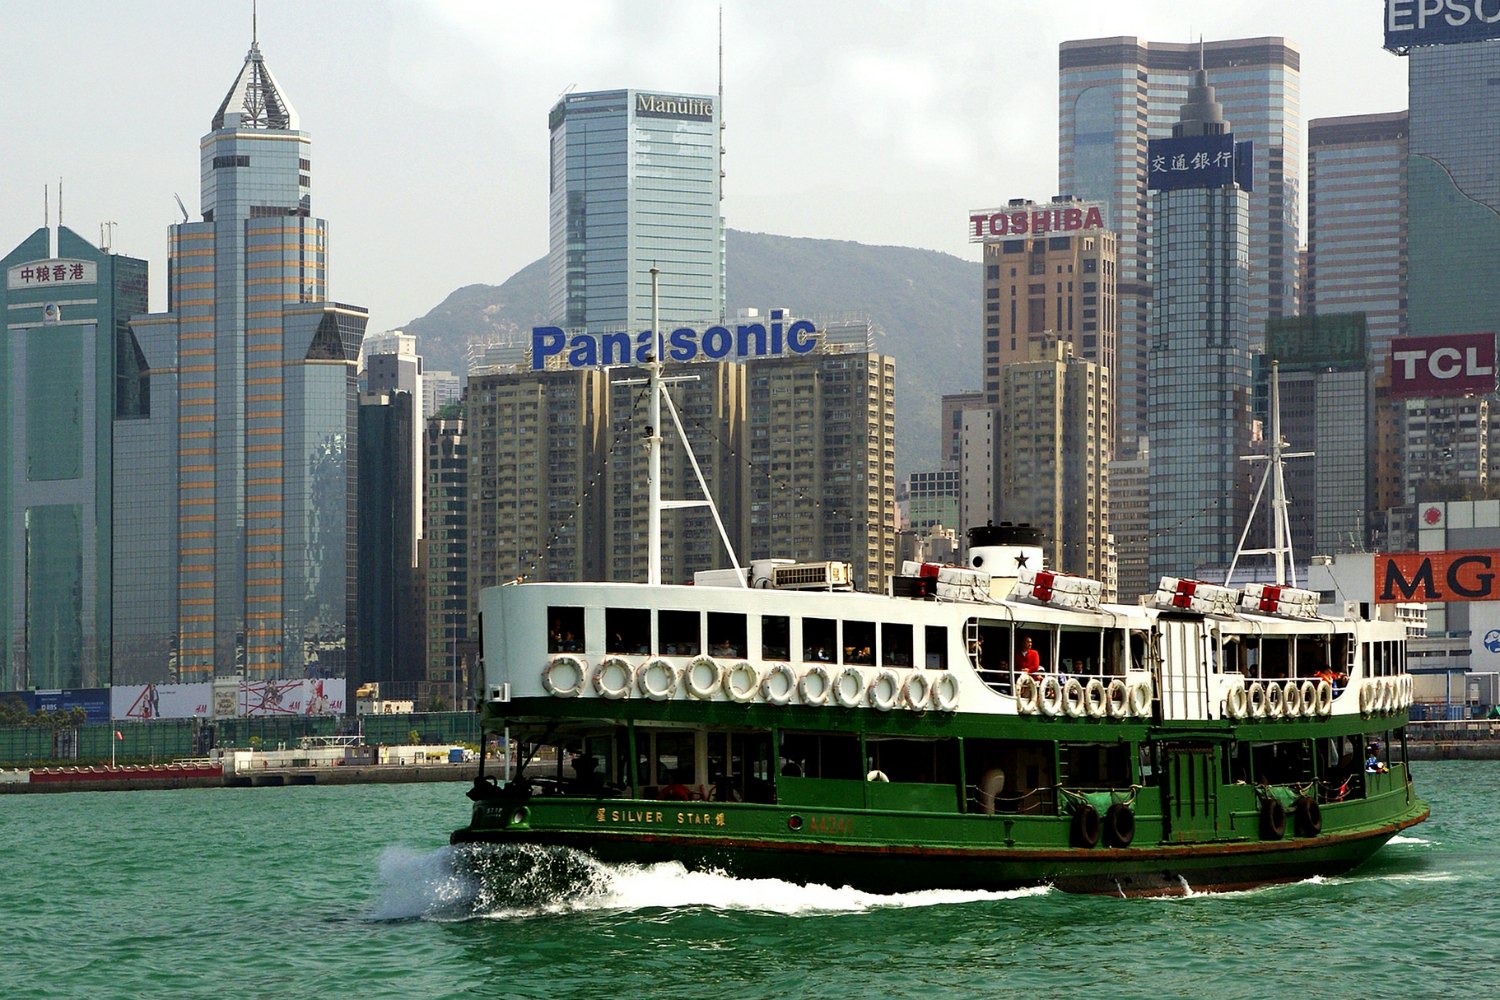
[(130, 779)]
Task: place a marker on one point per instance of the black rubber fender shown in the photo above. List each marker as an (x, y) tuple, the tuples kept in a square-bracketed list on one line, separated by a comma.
[(1085, 825), (1307, 816), (1272, 820), (1119, 825)]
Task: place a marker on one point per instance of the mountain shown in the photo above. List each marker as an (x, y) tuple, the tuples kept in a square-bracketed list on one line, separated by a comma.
[(925, 305)]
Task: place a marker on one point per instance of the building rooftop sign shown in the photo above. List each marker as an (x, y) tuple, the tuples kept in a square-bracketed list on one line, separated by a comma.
[(1456, 364), (1199, 161), (1024, 218), (746, 340), (1412, 23)]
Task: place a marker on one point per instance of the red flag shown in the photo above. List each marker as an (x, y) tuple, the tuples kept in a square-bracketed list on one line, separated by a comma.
[(119, 735)]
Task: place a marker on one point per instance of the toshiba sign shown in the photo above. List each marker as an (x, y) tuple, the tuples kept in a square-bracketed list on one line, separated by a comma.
[(1455, 364)]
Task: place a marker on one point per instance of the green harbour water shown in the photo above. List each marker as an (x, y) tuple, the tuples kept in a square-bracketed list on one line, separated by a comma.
[(352, 892)]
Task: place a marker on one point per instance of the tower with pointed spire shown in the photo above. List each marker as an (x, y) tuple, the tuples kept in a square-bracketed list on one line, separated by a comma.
[(264, 437), (1198, 366)]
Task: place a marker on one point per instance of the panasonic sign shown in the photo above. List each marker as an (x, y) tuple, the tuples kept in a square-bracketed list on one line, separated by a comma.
[(1410, 23), (747, 340)]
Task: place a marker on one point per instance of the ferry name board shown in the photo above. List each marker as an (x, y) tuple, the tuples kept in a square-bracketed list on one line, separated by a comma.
[(1410, 23), (1453, 365), (1036, 220), (747, 340), (1457, 575)]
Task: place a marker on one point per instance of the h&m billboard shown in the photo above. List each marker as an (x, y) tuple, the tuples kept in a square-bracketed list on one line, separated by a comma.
[(1455, 364), (1199, 161), (1410, 23)]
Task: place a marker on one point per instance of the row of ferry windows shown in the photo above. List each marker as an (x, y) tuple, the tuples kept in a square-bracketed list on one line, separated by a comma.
[(726, 634)]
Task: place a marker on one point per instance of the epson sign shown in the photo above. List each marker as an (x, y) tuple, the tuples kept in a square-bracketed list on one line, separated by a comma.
[(747, 340), (1411, 23)]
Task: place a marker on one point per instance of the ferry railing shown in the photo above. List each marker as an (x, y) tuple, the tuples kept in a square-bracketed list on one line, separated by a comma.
[(1037, 802)]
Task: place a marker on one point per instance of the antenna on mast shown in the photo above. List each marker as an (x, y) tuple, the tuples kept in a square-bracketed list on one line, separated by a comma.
[(1280, 544), (180, 206), (721, 102)]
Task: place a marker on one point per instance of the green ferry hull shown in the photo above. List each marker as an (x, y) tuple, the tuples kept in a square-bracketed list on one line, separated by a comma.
[(895, 857)]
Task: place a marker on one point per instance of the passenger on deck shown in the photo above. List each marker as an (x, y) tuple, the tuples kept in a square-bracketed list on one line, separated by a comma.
[(1335, 679), (1373, 763), (1028, 660)]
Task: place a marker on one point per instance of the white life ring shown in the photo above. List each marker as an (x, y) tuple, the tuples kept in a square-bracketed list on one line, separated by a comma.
[(1049, 695), (945, 693), (1275, 700), (1291, 699), (1025, 694), (656, 679), (703, 677), (742, 682), (1325, 698), (1387, 695), (1236, 701), (815, 686), (991, 784), (1095, 701), (1140, 699), (1367, 696), (849, 687), (916, 692), (1256, 698), (572, 686), (612, 677), (1073, 697), (1406, 690), (1309, 691), (777, 685), (1119, 698), (884, 691)]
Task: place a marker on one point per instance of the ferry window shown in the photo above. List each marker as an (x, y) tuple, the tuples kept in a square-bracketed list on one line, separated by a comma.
[(1340, 652), (1041, 641), (564, 630), (672, 762), (815, 755), (1095, 765), (1137, 651), (936, 640), (1312, 655), (925, 761), (819, 639), (726, 634), (739, 767), (1078, 651), (859, 643), (1275, 657), (1232, 655), (990, 649), (678, 633), (775, 637), (895, 644), (627, 630)]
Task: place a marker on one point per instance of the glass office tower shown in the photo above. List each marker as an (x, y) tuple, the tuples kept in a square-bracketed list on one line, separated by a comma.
[(1116, 94), (1198, 372), (267, 404), (68, 370), (1453, 188), (634, 184)]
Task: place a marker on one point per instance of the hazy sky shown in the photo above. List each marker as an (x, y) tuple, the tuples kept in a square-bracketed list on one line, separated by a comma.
[(879, 122)]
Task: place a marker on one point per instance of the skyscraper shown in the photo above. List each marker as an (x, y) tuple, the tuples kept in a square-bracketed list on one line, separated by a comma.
[(1198, 373), (1054, 455), (634, 184), (264, 442), (1356, 222), (1453, 187), (69, 369), (1118, 93)]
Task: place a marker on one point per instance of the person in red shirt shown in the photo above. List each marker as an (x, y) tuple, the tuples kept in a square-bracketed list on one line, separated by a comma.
[(1027, 659)]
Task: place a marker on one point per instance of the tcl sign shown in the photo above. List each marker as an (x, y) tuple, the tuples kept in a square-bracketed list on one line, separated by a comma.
[(1452, 365)]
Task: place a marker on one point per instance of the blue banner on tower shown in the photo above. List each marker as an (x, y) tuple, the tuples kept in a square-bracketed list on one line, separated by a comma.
[(1197, 161)]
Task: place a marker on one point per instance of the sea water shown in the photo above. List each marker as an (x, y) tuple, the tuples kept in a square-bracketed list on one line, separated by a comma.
[(352, 892)]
